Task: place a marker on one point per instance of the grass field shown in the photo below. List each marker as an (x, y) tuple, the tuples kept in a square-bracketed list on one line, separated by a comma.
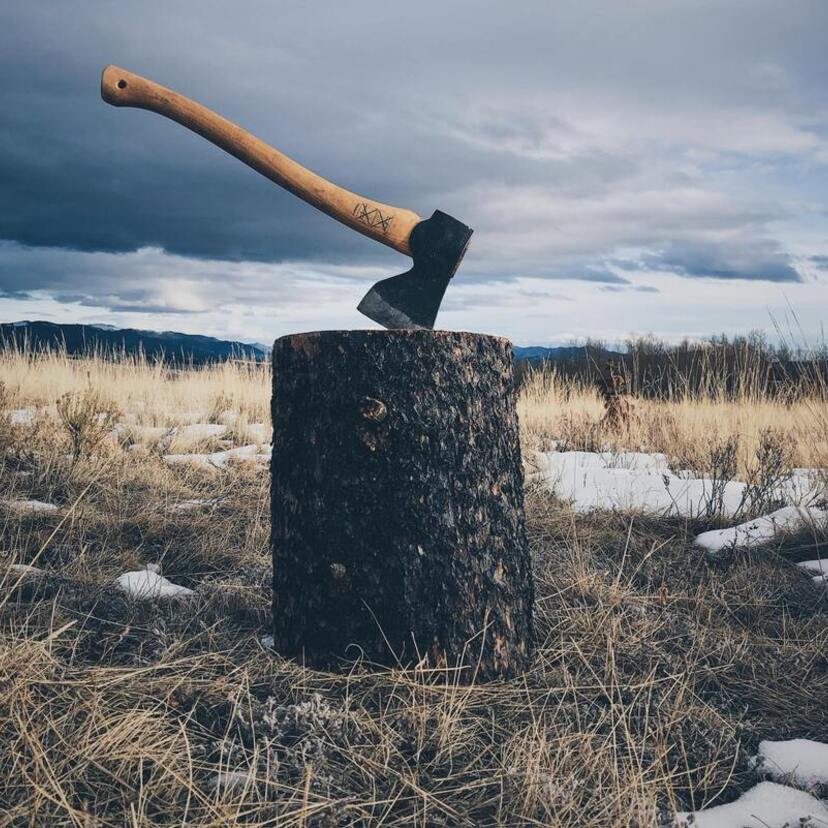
[(658, 669)]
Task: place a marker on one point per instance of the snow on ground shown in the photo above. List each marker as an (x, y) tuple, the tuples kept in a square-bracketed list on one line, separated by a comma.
[(231, 780), (762, 529), (149, 583), (29, 506), (200, 431), (22, 416), (801, 761), (25, 569), (219, 459), (806, 487), (818, 566), (195, 503), (630, 481), (636, 481), (767, 805)]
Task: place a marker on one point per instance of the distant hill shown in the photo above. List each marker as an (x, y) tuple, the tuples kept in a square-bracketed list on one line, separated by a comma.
[(180, 347), (156, 345)]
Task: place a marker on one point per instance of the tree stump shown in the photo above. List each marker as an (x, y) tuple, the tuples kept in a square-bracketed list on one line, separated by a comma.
[(398, 530)]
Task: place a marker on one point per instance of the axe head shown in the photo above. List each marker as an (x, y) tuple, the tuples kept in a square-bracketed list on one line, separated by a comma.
[(412, 299)]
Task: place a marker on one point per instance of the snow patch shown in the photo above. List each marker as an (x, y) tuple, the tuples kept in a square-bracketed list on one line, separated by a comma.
[(192, 505), (29, 506), (766, 805), (148, 583), (22, 416), (762, 529), (26, 569), (219, 459), (818, 565), (230, 780), (200, 431), (638, 481), (630, 481), (806, 487), (801, 761)]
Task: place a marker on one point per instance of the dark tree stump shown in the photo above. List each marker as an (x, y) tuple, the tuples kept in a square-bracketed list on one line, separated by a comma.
[(397, 502)]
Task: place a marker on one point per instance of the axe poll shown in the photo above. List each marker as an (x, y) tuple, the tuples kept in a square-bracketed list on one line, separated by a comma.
[(436, 245)]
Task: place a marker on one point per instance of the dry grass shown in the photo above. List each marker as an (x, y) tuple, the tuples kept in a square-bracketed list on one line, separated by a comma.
[(683, 428), (656, 674), (147, 392)]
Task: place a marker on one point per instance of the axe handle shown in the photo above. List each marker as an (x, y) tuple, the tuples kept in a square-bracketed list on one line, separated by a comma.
[(386, 224)]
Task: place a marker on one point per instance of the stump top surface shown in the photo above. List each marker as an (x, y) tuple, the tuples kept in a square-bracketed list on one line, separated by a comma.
[(397, 335)]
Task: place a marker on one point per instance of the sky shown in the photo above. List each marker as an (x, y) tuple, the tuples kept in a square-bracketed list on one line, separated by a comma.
[(629, 168)]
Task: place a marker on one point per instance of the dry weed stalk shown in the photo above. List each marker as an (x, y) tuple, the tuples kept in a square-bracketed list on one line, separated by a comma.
[(88, 418)]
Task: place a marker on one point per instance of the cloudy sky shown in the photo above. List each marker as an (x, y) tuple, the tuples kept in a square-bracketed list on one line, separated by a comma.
[(647, 166)]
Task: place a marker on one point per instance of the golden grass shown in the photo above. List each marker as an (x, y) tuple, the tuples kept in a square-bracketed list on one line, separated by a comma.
[(149, 393), (656, 671), (683, 429), (548, 406)]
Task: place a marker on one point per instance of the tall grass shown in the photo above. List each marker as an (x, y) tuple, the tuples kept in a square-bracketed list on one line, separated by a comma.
[(655, 674), (550, 405), (149, 391), (682, 426)]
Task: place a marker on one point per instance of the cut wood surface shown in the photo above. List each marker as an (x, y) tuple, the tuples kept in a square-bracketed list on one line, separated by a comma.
[(397, 502)]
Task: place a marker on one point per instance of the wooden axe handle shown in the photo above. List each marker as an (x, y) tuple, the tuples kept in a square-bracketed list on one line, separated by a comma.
[(386, 224)]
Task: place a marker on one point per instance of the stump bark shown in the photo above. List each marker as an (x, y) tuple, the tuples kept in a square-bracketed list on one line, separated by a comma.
[(398, 529)]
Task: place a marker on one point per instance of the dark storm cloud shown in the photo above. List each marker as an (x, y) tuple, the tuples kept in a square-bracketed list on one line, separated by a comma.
[(755, 260), (560, 142)]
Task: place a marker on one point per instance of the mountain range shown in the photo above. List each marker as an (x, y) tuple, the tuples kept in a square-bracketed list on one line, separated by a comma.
[(168, 346), (174, 347)]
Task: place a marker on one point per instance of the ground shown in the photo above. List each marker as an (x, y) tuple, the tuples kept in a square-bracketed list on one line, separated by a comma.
[(659, 667)]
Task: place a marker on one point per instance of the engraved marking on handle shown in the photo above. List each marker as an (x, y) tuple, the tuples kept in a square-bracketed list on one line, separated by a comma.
[(372, 216)]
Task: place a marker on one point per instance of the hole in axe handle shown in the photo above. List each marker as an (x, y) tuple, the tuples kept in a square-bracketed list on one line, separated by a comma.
[(122, 84)]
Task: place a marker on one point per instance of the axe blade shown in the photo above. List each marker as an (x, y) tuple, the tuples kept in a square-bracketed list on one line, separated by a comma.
[(412, 299)]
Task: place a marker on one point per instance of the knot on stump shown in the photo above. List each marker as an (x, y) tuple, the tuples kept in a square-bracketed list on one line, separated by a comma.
[(373, 409)]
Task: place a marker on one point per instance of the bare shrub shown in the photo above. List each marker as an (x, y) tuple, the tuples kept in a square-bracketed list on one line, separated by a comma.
[(770, 472), (87, 417), (617, 401), (6, 428), (723, 455)]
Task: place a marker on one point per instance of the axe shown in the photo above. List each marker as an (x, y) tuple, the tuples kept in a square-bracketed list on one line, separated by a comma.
[(436, 245)]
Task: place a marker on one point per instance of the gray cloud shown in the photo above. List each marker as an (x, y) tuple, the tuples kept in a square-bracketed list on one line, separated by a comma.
[(739, 259), (576, 151)]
